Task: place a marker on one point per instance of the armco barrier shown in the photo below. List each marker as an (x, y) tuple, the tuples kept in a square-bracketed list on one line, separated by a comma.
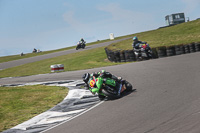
[(122, 56), (197, 46), (170, 51), (129, 55), (162, 52), (117, 56), (192, 47), (154, 53), (158, 52), (179, 49), (106, 50), (132, 55), (109, 55), (187, 49)]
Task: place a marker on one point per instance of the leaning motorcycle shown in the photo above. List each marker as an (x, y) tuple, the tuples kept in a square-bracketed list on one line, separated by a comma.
[(80, 45), (143, 52), (111, 88)]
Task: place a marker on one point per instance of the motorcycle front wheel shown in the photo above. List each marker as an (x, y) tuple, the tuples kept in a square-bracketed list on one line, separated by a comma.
[(129, 87), (101, 97)]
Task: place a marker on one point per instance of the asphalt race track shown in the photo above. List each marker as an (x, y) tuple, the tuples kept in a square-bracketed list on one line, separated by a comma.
[(167, 99)]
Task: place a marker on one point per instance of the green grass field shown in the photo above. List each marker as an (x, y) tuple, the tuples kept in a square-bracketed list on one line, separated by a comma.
[(27, 55), (18, 104), (75, 61)]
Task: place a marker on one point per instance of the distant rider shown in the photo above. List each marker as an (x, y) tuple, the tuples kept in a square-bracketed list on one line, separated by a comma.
[(82, 41), (136, 45), (90, 81), (34, 50)]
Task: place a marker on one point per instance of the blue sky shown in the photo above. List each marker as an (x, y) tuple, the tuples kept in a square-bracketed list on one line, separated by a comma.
[(54, 24)]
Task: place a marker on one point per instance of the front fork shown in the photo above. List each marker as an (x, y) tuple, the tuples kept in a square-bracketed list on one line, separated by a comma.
[(120, 89)]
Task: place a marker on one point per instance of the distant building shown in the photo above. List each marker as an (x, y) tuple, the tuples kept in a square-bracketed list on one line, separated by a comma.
[(174, 19)]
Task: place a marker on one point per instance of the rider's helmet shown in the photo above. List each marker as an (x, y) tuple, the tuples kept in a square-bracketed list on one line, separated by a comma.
[(135, 38), (86, 77)]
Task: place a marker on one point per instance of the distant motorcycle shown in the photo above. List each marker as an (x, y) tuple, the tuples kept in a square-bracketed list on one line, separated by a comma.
[(80, 45), (143, 52)]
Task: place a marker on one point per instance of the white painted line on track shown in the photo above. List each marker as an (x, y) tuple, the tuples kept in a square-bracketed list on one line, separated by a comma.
[(74, 117)]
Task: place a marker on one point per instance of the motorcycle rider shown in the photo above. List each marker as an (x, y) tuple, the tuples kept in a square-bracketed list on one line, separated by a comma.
[(81, 44), (136, 45), (82, 41), (90, 81)]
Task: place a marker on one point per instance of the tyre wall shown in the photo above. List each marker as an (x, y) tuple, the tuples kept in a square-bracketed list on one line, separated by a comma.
[(158, 52)]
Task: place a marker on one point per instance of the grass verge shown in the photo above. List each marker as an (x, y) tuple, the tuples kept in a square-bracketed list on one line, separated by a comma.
[(76, 61), (18, 104), (17, 57)]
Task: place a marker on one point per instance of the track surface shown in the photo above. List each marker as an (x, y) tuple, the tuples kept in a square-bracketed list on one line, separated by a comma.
[(51, 55), (167, 98)]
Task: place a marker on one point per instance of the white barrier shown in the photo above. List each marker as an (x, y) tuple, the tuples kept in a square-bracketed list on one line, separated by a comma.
[(57, 67), (60, 67), (111, 36), (54, 68)]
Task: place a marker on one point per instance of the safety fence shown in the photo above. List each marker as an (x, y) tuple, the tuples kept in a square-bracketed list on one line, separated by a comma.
[(158, 52)]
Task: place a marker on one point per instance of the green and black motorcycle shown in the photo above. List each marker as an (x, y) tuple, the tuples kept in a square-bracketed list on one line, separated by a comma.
[(107, 87)]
